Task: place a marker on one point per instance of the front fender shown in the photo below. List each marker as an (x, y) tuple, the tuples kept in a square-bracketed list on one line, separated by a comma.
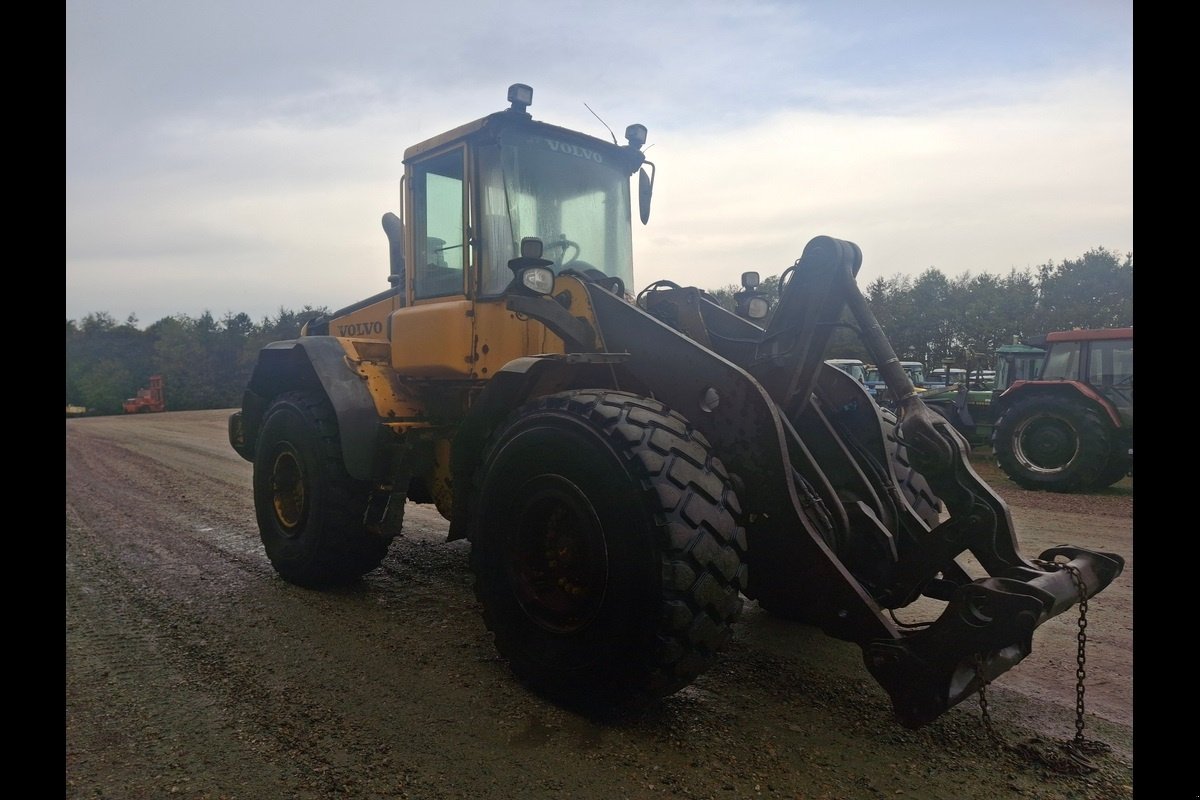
[(516, 382), (315, 363)]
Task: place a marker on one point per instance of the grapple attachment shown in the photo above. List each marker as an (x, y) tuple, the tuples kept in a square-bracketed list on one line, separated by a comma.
[(986, 629)]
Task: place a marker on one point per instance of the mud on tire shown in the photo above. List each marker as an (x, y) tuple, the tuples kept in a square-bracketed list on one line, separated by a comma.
[(606, 548)]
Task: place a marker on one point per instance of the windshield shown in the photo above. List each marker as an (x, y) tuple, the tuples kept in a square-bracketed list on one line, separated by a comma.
[(916, 372), (1062, 362), (571, 194)]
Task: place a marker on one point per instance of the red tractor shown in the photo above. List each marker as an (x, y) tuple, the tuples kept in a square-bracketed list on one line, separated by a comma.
[(1070, 429), (148, 399)]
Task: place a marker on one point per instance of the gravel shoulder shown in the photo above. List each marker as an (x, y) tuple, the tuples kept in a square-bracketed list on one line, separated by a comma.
[(193, 671)]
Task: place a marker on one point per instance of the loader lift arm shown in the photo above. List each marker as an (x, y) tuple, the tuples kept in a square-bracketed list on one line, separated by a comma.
[(774, 407)]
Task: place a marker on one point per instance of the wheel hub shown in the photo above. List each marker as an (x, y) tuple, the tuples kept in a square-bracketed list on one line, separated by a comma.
[(558, 564), (1045, 444), (287, 491)]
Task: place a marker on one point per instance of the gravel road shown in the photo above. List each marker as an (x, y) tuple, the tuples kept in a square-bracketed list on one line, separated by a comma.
[(193, 671)]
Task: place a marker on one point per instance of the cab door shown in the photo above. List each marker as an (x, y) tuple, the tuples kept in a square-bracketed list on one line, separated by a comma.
[(433, 335)]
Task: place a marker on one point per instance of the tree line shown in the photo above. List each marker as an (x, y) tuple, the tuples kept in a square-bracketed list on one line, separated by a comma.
[(206, 362)]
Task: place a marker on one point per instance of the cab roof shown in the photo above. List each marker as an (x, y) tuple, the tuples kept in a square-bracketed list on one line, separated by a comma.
[(509, 118)]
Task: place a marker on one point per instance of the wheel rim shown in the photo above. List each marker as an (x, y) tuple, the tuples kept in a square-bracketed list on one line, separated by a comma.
[(557, 561), (1045, 444), (287, 491)]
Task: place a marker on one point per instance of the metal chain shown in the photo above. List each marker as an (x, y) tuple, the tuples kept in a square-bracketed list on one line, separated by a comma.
[(1079, 743), (984, 716), (1071, 755), (1081, 657)]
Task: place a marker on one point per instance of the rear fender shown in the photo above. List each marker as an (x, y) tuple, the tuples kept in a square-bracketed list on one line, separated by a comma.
[(1021, 389)]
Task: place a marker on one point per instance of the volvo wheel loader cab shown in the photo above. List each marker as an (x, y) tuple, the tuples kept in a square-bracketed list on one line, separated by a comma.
[(627, 470)]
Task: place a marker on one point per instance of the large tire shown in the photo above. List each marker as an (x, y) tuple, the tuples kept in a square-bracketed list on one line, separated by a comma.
[(310, 511), (1052, 443), (606, 549)]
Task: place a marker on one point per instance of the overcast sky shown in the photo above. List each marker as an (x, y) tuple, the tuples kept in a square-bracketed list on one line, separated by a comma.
[(237, 156)]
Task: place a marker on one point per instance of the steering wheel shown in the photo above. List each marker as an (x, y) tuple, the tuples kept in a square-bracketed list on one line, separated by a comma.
[(565, 245), (592, 275)]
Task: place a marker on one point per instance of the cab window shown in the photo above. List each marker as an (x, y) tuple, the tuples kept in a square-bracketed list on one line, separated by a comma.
[(1062, 364), (1111, 363), (438, 187)]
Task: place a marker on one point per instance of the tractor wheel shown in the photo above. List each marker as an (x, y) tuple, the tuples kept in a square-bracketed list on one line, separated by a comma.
[(1052, 443), (310, 511), (607, 554), (912, 483)]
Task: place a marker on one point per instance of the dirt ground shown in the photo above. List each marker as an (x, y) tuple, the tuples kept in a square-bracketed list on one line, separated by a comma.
[(193, 671)]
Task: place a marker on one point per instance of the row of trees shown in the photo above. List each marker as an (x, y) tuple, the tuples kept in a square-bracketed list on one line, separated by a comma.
[(930, 318), (206, 362)]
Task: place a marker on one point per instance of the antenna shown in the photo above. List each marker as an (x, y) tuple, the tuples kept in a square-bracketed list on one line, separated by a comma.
[(602, 122)]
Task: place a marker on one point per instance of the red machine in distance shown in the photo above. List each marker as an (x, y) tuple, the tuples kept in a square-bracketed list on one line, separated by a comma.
[(151, 398)]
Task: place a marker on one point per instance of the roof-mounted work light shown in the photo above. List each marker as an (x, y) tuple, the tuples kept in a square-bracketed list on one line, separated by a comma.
[(636, 136), (521, 97)]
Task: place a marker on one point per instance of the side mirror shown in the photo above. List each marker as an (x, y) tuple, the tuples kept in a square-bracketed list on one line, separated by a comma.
[(394, 229), (645, 190)]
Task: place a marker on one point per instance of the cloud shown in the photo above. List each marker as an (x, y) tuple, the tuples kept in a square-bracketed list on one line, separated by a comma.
[(982, 187)]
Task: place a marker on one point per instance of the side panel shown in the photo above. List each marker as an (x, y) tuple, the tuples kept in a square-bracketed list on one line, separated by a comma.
[(502, 335), (434, 340), (368, 322), (466, 340)]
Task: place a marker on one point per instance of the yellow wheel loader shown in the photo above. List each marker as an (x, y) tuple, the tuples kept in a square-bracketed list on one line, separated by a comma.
[(629, 469)]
